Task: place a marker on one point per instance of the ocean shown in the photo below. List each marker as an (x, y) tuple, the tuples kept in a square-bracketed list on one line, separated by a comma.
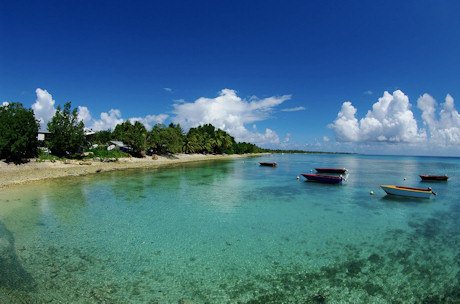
[(232, 231)]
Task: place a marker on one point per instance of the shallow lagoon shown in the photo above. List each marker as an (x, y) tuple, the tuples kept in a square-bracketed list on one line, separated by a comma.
[(235, 232)]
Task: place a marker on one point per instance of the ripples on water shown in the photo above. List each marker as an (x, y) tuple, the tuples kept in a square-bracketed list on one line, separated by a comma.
[(234, 232)]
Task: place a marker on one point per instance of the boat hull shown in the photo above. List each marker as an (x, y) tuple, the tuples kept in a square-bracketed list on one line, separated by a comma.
[(323, 178), (407, 191), (434, 177), (331, 170)]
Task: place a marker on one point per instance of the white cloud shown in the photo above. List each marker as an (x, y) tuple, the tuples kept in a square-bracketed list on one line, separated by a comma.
[(294, 109), (230, 113), (44, 110), (5, 103), (390, 120), (288, 137), (43, 107), (444, 131), (84, 115), (107, 121), (326, 139), (113, 118), (346, 126), (150, 120), (167, 89)]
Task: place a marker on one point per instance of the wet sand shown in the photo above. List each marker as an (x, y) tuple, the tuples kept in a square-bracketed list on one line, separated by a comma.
[(11, 174)]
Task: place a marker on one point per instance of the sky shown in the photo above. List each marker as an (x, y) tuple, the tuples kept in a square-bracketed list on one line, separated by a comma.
[(375, 77)]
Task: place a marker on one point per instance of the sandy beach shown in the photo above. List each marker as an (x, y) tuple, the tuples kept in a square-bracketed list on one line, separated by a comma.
[(11, 174)]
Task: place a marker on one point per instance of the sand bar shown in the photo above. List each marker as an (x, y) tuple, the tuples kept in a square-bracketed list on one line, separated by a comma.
[(11, 174)]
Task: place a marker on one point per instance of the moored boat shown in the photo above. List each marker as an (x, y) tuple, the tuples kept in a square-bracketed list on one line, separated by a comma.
[(426, 177), (268, 164), (331, 170), (323, 178), (407, 191)]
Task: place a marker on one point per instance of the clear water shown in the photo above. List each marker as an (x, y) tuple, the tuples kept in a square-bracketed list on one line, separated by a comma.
[(235, 232)]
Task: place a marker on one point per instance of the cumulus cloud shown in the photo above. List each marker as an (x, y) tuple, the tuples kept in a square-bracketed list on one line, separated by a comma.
[(230, 113), (84, 115), (150, 120), (390, 120), (444, 131), (5, 103), (107, 120), (43, 107), (44, 110), (111, 119)]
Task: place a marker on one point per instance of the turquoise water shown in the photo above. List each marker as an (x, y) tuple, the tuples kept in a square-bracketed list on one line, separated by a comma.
[(235, 232)]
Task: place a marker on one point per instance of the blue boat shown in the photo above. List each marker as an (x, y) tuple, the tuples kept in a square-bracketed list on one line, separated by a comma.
[(323, 178)]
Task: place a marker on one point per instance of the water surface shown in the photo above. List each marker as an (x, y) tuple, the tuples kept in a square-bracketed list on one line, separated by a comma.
[(235, 232)]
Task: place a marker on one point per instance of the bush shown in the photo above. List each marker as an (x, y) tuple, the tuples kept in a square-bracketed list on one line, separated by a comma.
[(101, 152), (19, 130), (43, 156)]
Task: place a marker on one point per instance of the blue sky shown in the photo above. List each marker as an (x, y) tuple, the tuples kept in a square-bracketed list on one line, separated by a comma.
[(308, 75)]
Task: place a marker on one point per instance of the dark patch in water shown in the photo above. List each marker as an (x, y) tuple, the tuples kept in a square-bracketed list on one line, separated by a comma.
[(12, 274), (374, 258)]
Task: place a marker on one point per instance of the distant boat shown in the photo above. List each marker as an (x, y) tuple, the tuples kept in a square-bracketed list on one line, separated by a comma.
[(331, 170), (407, 191), (268, 164), (434, 177), (323, 178)]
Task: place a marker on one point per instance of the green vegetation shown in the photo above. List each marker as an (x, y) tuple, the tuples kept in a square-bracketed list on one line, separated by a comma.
[(102, 153), (206, 139), (67, 132), (101, 137), (163, 140), (133, 135), (46, 157), (19, 131), (66, 138)]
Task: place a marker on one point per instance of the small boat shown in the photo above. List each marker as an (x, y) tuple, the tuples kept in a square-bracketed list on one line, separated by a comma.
[(323, 178), (407, 191), (331, 170), (268, 164), (425, 177)]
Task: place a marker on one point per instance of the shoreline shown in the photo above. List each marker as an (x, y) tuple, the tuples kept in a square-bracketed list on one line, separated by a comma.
[(32, 171)]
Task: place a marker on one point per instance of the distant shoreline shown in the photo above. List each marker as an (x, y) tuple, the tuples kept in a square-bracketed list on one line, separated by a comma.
[(37, 171)]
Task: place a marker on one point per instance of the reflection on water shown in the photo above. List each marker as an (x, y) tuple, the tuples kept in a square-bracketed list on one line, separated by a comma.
[(12, 274), (234, 232)]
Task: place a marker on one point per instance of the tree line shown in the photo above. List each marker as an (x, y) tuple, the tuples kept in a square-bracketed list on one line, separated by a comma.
[(19, 130)]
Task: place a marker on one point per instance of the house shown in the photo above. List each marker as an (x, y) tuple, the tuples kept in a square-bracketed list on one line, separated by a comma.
[(120, 145), (43, 135)]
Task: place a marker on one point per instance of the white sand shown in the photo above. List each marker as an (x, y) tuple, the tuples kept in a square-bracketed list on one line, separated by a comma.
[(33, 171)]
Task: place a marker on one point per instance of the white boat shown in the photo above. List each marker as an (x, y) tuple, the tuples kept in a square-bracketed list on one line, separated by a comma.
[(407, 191)]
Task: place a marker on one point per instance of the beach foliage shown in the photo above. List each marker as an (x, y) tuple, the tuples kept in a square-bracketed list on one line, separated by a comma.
[(133, 135), (208, 139), (67, 131), (101, 137), (244, 147), (43, 156), (163, 140), (102, 153), (19, 131)]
